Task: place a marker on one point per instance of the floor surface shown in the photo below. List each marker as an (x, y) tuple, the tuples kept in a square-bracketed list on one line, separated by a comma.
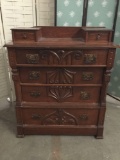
[(60, 147)]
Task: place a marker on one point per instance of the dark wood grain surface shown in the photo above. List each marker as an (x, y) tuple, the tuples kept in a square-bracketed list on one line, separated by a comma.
[(61, 76)]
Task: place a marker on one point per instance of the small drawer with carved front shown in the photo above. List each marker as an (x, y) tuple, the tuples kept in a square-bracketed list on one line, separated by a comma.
[(61, 94), (57, 116), (25, 35), (96, 35)]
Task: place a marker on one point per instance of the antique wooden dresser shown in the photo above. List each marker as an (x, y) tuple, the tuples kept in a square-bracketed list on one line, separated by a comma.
[(60, 76)]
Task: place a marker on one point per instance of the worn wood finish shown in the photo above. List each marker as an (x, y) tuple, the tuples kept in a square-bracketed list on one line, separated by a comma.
[(60, 94), (61, 76), (61, 57)]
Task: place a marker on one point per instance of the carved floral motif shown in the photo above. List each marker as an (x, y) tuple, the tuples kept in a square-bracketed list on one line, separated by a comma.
[(60, 117), (60, 75), (32, 58), (89, 58), (60, 56), (60, 93)]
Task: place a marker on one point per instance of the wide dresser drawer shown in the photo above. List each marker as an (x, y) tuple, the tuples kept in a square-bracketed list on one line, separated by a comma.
[(52, 116), (61, 75), (61, 94), (61, 57)]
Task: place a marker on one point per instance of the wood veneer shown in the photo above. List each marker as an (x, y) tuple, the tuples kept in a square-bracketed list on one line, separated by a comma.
[(60, 76)]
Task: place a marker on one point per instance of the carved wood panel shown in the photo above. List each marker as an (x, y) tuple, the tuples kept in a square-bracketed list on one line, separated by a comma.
[(60, 116), (110, 60), (62, 57), (60, 93), (60, 75), (52, 75)]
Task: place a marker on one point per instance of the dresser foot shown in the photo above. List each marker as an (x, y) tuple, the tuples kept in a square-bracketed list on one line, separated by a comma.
[(99, 133), (99, 137), (20, 136), (20, 132)]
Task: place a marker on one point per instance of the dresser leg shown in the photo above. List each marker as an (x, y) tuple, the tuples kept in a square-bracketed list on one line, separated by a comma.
[(20, 136), (20, 133), (99, 137), (99, 133)]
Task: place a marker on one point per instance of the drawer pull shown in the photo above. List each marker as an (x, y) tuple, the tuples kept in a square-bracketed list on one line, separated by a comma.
[(33, 75), (36, 116), (89, 59), (24, 36), (87, 76), (32, 58), (83, 117), (84, 95), (78, 55), (98, 36), (44, 56), (35, 94)]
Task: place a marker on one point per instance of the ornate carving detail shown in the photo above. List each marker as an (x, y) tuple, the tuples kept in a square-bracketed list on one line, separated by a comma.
[(53, 76), (67, 76), (59, 117), (12, 57), (60, 75), (107, 77), (59, 56), (15, 75), (84, 95), (33, 75), (35, 94), (78, 55), (89, 58), (87, 76), (60, 92), (110, 60), (83, 117), (32, 58)]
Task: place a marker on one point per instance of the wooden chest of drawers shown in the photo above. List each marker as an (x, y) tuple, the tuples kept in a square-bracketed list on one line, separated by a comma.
[(60, 76)]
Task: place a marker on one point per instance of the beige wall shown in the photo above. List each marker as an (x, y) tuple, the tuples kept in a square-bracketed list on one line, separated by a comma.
[(45, 12), (3, 77)]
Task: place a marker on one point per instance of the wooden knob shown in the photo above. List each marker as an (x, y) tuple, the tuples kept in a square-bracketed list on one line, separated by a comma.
[(24, 36)]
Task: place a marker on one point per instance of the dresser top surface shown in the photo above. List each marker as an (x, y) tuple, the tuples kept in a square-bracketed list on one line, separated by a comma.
[(60, 43), (60, 37)]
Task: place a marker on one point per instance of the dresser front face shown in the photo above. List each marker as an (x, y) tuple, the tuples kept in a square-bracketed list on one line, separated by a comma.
[(61, 91), (61, 75)]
